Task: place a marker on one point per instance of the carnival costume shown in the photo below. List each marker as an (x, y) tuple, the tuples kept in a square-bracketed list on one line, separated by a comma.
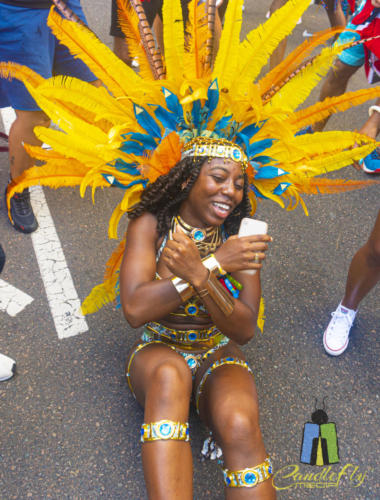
[(194, 102)]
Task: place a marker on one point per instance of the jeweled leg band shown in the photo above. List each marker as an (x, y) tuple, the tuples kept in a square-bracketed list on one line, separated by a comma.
[(163, 430), (250, 477), (230, 360)]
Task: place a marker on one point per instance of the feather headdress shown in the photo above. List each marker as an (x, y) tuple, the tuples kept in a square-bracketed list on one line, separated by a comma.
[(135, 128)]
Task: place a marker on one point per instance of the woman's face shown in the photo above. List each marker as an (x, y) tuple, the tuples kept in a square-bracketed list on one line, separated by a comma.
[(215, 194)]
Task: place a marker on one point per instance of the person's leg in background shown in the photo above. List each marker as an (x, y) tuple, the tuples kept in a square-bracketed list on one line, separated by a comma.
[(7, 365), (363, 274)]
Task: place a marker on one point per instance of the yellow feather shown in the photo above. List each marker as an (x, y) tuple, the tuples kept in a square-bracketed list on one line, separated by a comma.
[(69, 146), (48, 175), (114, 221), (309, 145), (261, 187), (330, 105), (261, 315), (105, 292), (100, 296), (295, 92), (129, 24), (228, 53), (119, 78), (334, 161), (113, 264), (13, 70), (330, 186), (196, 38), (261, 42), (295, 58), (83, 95), (174, 39)]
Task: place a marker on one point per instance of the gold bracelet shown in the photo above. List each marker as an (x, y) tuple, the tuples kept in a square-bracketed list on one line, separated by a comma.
[(184, 289), (219, 294), (203, 293), (212, 264)]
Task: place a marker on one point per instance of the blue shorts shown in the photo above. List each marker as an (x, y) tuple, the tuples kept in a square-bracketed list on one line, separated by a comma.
[(26, 39), (354, 56)]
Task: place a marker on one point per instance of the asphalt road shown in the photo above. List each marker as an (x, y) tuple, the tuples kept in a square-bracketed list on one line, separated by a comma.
[(69, 426)]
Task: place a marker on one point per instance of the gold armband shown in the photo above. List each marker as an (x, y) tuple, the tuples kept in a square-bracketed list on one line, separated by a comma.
[(218, 293), (212, 264), (184, 289)]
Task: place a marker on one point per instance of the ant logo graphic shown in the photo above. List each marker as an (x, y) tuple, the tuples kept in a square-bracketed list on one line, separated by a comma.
[(320, 441)]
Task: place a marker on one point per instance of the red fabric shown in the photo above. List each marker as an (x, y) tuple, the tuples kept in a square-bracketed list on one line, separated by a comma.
[(372, 30), (352, 5)]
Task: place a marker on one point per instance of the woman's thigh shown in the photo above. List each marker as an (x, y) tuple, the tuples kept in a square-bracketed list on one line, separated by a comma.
[(160, 371), (225, 376)]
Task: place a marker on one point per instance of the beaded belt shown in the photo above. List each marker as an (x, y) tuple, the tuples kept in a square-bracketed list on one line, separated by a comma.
[(184, 337)]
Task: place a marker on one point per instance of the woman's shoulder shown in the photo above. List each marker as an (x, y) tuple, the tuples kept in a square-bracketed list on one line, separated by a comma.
[(146, 222)]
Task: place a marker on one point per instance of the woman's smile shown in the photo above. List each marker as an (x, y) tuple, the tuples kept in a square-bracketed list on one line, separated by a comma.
[(215, 194)]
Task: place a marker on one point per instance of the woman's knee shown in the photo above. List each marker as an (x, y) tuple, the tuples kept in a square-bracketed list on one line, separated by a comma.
[(171, 380), (373, 252), (238, 425)]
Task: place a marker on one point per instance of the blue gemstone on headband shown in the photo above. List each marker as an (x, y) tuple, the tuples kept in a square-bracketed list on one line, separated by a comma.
[(250, 478), (192, 310), (142, 431), (270, 469), (192, 336), (236, 154), (165, 429), (229, 359)]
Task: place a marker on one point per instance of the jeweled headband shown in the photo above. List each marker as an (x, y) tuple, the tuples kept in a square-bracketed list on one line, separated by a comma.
[(215, 148)]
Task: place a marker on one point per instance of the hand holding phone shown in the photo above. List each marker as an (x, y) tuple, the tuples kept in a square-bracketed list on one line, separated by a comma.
[(250, 227)]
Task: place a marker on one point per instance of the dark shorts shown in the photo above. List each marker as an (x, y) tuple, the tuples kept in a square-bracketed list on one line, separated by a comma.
[(26, 39)]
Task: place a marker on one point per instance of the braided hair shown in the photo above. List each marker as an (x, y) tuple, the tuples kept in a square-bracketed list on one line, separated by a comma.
[(163, 197)]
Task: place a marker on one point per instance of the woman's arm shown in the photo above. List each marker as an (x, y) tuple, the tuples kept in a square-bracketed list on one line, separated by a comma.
[(142, 297), (182, 258)]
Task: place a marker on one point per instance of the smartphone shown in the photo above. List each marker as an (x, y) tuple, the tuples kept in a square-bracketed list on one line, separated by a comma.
[(249, 227)]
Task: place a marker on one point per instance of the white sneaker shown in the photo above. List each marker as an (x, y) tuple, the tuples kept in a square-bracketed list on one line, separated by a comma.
[(335, 338), (7, 367)]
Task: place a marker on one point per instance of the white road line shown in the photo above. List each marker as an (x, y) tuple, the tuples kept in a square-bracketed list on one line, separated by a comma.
[(13, 300), (60, 291)]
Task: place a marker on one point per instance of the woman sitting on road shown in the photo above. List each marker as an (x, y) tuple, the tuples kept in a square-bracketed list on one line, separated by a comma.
[(180, 240)]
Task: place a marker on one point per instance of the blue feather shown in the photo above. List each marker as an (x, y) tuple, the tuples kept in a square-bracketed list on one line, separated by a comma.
[(281, 188), (146, 121), (168, 119), (132, 147), (146, 140), (269, 173), (212, 98), (264, 160), (252, 129), (257, 192), (222, 124), (258, 147), (172, 102), (196, 114), (127, 168)]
